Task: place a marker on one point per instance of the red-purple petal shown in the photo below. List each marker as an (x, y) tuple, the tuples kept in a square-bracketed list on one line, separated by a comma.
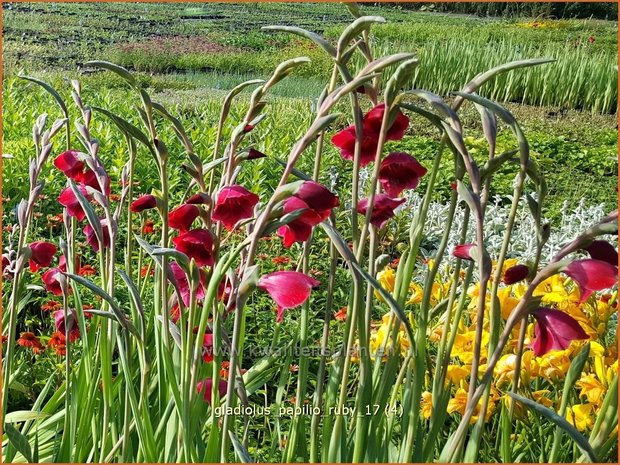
[(400, 171), (234, 203), (592, 275), (289, 289)]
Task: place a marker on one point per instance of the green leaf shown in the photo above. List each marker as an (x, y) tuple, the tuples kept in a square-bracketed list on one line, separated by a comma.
[(241, 451), (18, 440), (316, 38), (52, 91), (126, 127), (19, 416), (569, 429), (355, 28), (122, 72)]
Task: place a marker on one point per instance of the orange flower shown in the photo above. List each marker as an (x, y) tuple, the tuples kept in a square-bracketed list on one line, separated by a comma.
[(146, 270), (148, 227), (394, 263), (4, 339), (280, 260), (224, 370), (28, 339), (341, 314), (293, 368), (58, 343), (114, 197), (87, 270), (51, 306)]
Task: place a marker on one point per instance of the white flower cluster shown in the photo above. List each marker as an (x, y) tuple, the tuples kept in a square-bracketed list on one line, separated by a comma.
[(523, 240)]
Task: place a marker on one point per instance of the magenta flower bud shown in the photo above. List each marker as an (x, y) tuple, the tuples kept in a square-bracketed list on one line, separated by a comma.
[(51, 278), (317, 196), (554, 330), (254, 154), (68, 200), (145, 202), (464, 251), (516, 273), (198, 199), (289, 289), (603, 250)]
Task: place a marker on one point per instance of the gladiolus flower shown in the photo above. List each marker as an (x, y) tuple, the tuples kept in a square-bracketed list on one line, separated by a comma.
[(145, 202), (91, 237), (592, 275), (374, 118), (516, 273), (254, 154), (62, 264), (69, 163), (198, 199), (463, 251), (300, 228), (345, 141), (206, 386), (400, 171), (382, 211), (289, 289), (68, 200), (42, 254), (603, 250), (182, 217), (28, 339), (51, 278), (317, 196), (207, 347), (234, 203), (196, 244), (61, 325), (183, 284), (89, 178), (554, 330)]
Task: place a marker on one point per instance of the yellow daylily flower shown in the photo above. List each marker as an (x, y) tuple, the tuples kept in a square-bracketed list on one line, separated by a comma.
[(580, 416), (591, 388)]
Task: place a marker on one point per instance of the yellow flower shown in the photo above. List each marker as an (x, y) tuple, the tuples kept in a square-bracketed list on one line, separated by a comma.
[(387, 279), (426, 404), (505, 368), (553, 365), (457, 373), (591, 388), (464, 346), (554, 290), (539, 396), (416, 294), (580, 416), (507, 303), (459, 402)]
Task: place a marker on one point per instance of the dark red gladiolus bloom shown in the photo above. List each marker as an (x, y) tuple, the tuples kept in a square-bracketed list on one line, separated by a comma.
[(69, 163), (345, 141), (234, 203), (603, 250), (516, 273), (300, 228), (89, 178), (182, 217), (144, 202), (198, 199), (7, 273), (62, 264), (317, 196), (42, 254), (254, 154), (289, 289), (374, 118), (68, 200), (554, 330), (59, 322), (196, 244), (205, 387), (207, 347), (400, 171), (224, 290), (51, 280), (382, 211), (464, 251), (183, 284), (592, 275), (91, 237)]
